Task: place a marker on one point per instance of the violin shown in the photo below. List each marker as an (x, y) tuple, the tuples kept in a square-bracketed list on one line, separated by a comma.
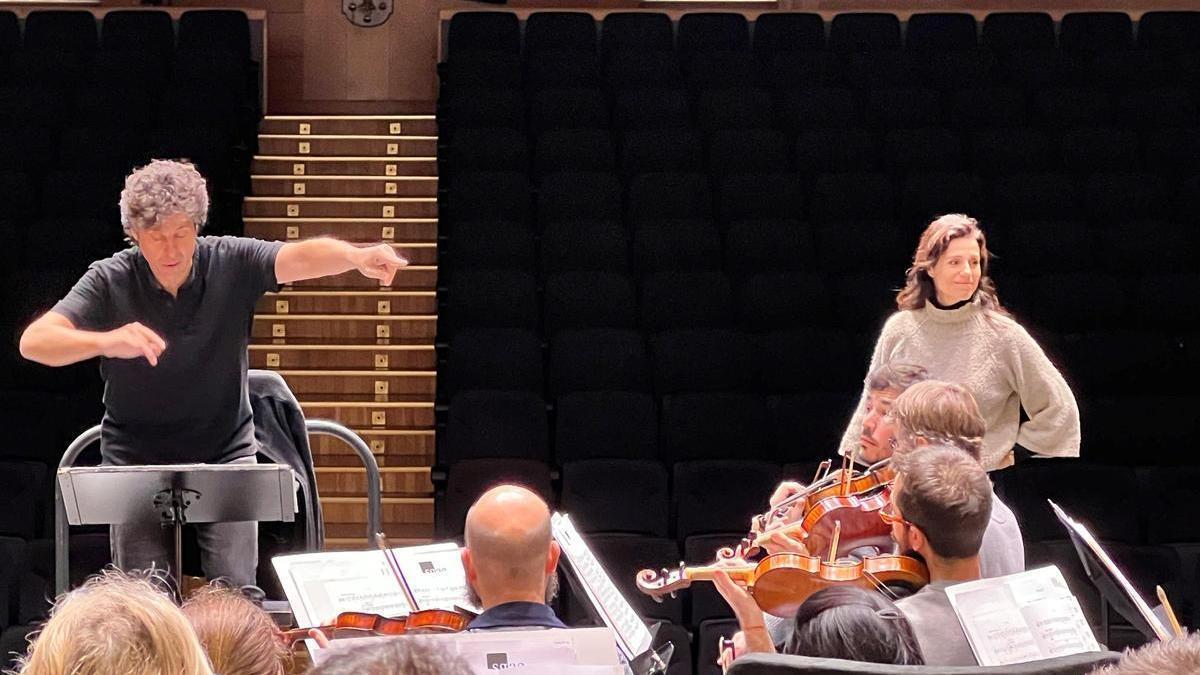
[(780, 582), (841, 483), (359, 624), (857, 516)]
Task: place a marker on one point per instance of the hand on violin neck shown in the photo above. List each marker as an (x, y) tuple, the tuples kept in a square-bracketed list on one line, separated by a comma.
[(319, 636), (739, 599)]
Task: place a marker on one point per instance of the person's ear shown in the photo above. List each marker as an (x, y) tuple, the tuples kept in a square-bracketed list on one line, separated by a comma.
[(919, 441), (552, 558), (468, 564), (917, 540)]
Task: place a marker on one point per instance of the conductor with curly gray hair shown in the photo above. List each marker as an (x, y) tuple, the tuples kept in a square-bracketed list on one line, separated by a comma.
[(170, 319)]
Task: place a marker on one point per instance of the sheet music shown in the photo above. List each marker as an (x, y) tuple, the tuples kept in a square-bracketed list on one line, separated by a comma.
[(585, 651), (1085, 535), (320, 586), (633, 638), (1021, 617)]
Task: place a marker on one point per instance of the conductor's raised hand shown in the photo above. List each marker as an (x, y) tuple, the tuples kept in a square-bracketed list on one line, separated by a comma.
[(380, 262), (131, 341)]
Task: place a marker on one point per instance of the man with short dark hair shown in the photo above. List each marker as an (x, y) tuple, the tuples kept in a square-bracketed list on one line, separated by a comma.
[(941, 504)]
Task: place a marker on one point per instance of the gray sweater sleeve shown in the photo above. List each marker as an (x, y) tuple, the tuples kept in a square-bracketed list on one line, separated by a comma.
[(1053, 425)]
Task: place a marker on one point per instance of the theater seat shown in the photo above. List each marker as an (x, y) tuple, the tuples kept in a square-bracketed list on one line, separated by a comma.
[(468, 479), (596, 492)]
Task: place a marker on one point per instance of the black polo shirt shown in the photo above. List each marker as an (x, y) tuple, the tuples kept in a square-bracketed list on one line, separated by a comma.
[(193, 406)]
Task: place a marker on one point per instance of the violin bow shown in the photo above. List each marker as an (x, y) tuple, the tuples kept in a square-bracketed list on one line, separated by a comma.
[(390, 556), (1170, 611)]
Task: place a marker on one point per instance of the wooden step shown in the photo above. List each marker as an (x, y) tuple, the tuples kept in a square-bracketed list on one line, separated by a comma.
[(309, 165), (402, 516), (391, 447), (341, 207), (347, 146), (351, 302), (413, 277), (363, 125), (351, 326), (394, 481), (337, 356), (393, 414), (383, 383), (344, 186), (347, 229)]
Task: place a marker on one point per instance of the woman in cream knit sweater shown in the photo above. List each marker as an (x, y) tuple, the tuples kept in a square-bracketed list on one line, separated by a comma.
[(951, 322)]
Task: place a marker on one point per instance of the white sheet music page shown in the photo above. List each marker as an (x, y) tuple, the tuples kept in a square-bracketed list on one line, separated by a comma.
[(320, 586), (633, 638), (1021, 617), (435, 575)]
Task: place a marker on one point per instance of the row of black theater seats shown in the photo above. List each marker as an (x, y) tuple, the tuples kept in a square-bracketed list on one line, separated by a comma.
[(1109, 198), (762, 301), (640, 514), (136, 47), (127, 108), (939, 71), (73, 181), (1079, 151), (796, 110), (1081, 32), (801, 392)]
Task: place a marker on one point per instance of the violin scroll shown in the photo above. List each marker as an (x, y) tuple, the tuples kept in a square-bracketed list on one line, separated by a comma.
[(657, 583)]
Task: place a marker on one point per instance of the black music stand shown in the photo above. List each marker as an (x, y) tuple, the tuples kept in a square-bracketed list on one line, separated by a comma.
[(177, 494), (1115, 589)]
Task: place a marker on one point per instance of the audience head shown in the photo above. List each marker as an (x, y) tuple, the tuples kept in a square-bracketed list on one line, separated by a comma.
[(1179, 655), (846, 622), (116, 623), (884, 384), (941, 503), (950, 265), (239, 637), (936, 412), (397, 656), (509, 555)]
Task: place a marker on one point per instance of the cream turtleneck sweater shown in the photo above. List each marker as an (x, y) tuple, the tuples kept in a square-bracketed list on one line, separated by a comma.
[(999, 363)]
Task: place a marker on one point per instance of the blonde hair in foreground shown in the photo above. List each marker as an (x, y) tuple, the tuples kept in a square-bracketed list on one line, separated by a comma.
[(1178, 655), (116, 624)]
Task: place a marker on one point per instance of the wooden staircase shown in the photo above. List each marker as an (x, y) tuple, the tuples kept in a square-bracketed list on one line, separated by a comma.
[(353, 351)]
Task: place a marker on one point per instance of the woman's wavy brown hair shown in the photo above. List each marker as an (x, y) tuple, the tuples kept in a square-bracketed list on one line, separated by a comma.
[(239, 637), (918, 287)]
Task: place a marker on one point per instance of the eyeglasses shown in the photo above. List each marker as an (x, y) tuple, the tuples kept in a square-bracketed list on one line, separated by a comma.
[(888, 515)]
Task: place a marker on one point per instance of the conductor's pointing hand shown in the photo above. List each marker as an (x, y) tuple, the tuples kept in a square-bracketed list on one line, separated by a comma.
[(131, 341), (380, 262)]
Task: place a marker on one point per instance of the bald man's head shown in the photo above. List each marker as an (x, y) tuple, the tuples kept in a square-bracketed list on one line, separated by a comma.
[(509, 551)]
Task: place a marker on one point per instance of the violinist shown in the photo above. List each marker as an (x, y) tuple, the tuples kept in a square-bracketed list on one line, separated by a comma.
[(511, 560), (884, 385), (931, 412), (942, 412), (941, 504), (394, 657)]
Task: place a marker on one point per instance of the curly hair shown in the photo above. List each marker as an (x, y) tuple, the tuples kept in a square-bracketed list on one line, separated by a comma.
[(1177, 655), (116, 622), (162, 188)]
